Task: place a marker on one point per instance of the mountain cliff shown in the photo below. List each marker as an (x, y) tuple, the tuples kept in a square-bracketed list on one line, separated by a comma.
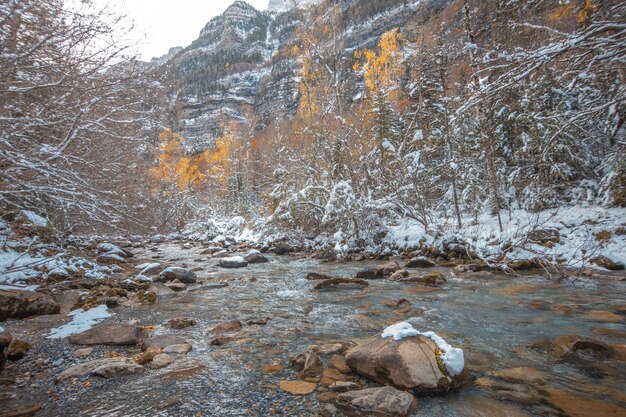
[(240, 66)]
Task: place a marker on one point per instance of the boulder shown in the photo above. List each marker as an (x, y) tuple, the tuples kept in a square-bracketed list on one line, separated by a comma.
[(176, 286), (381, 271), (420, 262), (343, 386), (385, 401), (604, 262), (107, 368), (573, 347), (411, 363), (283, 248), (226, 327), (110, 334), (22, 304), (178, 349), (387, 269), (174, 273), (149, 269), (181, 323), (433, 278), (110, 258), (398, 275), (162, 341), (312, 365), (297, 387), (147, 355), (5, 341), (256, 258), (314, 276), (17, 350), (161, 361), (341, 282), (233, 262)]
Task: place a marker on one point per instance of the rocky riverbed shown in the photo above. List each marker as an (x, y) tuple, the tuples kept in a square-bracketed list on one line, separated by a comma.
[(225, 333)]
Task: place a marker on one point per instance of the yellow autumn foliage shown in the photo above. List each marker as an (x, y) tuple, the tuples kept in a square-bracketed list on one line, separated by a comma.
[(382, 68)]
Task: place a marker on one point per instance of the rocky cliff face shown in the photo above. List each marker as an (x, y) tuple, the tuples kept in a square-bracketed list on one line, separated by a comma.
[(237, 67)]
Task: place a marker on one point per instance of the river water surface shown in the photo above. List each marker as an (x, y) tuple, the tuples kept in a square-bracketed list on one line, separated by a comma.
[(500, 321)]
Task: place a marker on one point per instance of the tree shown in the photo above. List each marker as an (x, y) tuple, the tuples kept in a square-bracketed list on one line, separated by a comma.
[(69, 96)]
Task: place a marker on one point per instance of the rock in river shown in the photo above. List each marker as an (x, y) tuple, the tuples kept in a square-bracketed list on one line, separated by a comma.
[(297, 387), (233, 262), (256, 258), (420, 262), (408, 364), (385, 401), (110, 334), (176, 273), (22, 304), (107, 368)]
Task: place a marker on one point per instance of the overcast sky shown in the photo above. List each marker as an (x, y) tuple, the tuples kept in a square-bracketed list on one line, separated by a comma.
[(162, 24)]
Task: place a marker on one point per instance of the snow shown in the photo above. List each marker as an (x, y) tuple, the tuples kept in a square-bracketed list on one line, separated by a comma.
[(452, 358), (237, 259), (35, 219), (1, 329), (82, 320), (18, 266), (399, 331), (253, 252), (147, 265), (143, 278), (577, 226)]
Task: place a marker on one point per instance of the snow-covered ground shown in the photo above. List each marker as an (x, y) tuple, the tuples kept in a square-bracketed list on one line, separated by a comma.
[(578, 227)]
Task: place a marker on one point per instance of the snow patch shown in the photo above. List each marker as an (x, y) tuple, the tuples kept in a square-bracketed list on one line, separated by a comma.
[(82, 320)]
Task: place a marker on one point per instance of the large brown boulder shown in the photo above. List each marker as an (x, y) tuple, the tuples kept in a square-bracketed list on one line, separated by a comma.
[(21, 304), (385, 401), (110, 334), (5, 341), (412, 363)]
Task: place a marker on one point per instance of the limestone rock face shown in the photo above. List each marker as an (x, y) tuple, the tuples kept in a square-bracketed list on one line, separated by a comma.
[(385, 401), (407, 364)]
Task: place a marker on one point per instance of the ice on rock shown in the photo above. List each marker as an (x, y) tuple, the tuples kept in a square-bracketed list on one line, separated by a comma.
[(82, 320), (452, 358)]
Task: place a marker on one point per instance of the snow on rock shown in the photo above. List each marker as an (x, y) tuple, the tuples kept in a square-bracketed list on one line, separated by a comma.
[(18, 266), (147, 265), (82, 320), (451, 357), (399, 331), (35, 219)]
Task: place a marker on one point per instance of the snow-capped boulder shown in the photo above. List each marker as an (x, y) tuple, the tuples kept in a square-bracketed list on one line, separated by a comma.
[(407, 360), (233, 262), (256, 258), (176, 273)]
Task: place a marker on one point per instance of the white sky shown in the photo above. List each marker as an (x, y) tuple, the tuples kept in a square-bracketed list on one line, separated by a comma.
[(162, 24)]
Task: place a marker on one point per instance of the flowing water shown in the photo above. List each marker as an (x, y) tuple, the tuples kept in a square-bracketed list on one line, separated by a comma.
[(499, 320)]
